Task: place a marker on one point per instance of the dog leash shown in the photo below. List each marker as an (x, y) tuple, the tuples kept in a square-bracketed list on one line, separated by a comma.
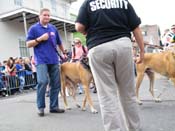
[(84, 63), (50, 36)]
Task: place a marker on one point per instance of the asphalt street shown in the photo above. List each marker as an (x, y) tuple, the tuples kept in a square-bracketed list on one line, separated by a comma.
[(18, 113)]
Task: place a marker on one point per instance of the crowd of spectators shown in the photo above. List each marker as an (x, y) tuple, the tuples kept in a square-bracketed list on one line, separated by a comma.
[(17, 74), (168, 38)]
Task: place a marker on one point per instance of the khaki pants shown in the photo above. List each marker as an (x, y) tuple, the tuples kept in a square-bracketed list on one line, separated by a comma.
[(113, 71)]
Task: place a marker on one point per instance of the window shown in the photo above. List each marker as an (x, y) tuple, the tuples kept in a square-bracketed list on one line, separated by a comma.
[(54, 5), (18, 2), (144, 33), (41, 4), (24, 51)]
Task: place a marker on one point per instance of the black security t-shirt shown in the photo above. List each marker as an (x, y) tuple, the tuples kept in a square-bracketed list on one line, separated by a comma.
[(106, 20)]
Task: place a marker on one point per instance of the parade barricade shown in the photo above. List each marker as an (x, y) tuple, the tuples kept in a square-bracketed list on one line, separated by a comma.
[(23, 79)]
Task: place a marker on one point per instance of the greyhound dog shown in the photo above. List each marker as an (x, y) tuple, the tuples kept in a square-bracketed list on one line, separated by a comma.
[(162, 63), (71, 75)]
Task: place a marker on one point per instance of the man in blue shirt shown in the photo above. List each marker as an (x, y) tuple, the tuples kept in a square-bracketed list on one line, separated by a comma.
[(108, 24), (44, 38)]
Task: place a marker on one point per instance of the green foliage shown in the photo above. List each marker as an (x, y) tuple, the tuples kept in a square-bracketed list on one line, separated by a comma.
[(81, 36), (73, 16)]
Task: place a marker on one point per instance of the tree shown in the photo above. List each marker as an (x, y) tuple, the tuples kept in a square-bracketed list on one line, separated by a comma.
[(81, 36)]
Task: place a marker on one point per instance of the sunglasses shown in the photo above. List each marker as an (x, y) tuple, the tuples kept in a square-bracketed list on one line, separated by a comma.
[(76, 42)]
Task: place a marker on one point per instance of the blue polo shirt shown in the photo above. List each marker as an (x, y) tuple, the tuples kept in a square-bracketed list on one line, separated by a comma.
[(45, 51)]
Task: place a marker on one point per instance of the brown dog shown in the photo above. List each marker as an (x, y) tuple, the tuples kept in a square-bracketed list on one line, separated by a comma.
[(162, 63), (71, 75)]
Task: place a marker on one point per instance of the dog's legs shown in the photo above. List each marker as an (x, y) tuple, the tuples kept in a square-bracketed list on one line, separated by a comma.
[(151, 76), (164, 89), (88, 98), (84, 103), (65, 100), (74, 98), (71, 87), (173, 80), (138, 83), (64, 83)]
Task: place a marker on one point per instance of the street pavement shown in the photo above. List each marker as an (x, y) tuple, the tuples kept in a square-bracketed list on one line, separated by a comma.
[(19, 113)]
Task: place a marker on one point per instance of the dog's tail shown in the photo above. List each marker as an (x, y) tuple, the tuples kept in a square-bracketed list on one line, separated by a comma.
[(66, 82), (63, 80)]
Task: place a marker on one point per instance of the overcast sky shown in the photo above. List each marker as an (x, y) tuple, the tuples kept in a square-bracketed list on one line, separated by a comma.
[(160, 12)]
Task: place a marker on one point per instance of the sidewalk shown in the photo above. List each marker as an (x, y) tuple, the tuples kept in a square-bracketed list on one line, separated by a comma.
[(19, 113)]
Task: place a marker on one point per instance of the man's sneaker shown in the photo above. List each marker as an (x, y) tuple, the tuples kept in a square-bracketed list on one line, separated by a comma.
[(57, 111), (41, 112)]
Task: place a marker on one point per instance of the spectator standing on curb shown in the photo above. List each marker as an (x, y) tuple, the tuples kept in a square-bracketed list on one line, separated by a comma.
[(34, 70), (167, 38), (21, 73), (78, 51), (11, 71)]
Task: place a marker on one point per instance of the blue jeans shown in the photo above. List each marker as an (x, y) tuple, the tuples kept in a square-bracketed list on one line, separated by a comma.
[(1, 84), (22, 82), (43, 72)]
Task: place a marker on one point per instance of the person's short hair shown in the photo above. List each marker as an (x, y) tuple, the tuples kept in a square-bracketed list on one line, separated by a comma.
[(43, 9), (173, 27), (166, 30)]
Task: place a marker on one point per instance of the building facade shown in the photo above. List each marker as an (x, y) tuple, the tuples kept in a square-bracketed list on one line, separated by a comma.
[(18, 15), (152, 36)]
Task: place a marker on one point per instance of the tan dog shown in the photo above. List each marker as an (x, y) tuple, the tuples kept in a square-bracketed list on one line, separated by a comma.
[(162, 63), (71, 75)]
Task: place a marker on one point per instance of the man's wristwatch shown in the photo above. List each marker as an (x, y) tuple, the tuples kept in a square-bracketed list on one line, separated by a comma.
[(37, 41)]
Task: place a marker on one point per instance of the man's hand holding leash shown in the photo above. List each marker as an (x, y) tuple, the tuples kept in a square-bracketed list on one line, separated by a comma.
[(141, 57), (139, 40)]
